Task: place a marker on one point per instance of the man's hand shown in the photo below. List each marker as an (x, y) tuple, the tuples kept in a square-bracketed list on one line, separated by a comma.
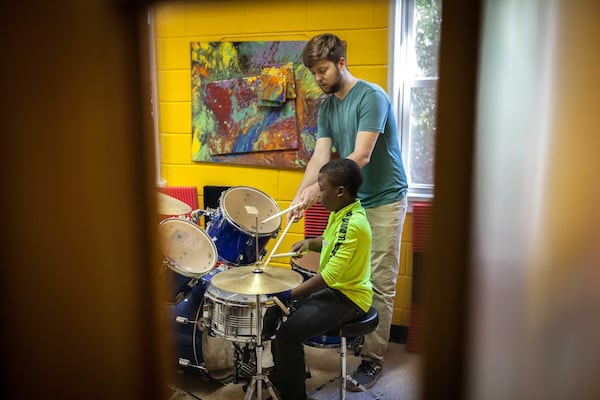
[(307, 198), (295, 215)]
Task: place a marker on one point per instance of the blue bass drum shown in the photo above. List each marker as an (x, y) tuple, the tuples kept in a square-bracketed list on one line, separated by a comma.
[(196, 350)]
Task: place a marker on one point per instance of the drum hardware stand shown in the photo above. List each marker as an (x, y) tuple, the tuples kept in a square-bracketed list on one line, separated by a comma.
[(259, 377), (244, 366), (264, 280), (256, 238), (196, 215)]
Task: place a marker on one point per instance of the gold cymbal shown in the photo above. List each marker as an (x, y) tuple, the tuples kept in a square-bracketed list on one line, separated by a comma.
[(168, 205), (257, 280)]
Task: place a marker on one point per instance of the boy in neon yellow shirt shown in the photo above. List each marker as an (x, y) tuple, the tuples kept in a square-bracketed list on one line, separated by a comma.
[(341, 289)]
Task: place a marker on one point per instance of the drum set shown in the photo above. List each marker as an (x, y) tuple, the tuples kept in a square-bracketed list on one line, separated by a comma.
[(218, 284)]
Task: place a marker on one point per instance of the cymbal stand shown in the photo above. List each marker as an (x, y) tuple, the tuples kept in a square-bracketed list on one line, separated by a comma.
[(256, 240), (258, 378)]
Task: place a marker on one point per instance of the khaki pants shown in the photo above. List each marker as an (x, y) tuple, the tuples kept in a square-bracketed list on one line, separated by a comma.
[(386, 225)]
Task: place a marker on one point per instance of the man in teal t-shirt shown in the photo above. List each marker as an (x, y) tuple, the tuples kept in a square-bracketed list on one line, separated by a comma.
[(357, 120)]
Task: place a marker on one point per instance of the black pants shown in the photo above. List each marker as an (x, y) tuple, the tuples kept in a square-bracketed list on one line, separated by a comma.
[(320, 313)]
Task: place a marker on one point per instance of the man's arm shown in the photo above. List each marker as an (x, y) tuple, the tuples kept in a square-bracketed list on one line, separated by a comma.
[(363, 147), (308, 191)]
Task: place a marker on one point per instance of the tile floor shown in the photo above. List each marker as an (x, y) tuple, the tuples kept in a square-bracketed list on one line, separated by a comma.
[(400, 379)]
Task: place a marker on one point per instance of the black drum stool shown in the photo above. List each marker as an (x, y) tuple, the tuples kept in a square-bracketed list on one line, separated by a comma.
[(356, 328)]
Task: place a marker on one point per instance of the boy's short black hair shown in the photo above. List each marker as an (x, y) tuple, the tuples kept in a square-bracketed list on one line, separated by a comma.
[(343, 172)]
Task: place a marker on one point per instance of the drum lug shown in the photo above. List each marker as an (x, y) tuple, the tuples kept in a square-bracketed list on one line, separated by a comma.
[(184, 320), (179, 297)]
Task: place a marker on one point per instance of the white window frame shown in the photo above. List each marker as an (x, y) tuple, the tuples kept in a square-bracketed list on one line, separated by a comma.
[(403, 80)]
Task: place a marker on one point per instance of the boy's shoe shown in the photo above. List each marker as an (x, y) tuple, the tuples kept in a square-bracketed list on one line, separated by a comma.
[(367, 373)]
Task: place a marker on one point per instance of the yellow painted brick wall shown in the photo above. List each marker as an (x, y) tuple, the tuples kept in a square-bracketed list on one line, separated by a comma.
[(363, 24)]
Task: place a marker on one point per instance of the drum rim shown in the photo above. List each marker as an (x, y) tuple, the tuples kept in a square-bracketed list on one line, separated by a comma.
[(294, 263), (237, 225), (220, 300), (176, 266)]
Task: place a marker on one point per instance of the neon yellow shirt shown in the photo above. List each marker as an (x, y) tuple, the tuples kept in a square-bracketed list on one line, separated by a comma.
[(345, 262)]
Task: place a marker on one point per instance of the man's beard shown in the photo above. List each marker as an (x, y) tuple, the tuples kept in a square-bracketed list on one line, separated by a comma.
[(335, 86)]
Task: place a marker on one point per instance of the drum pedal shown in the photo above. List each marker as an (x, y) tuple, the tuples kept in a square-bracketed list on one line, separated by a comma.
[(179, 392), (184, 362)]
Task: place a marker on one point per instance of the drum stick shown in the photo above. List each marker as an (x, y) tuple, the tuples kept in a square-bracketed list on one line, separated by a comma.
[(285, 310), (280, 213), (279, 240), (290, 254)]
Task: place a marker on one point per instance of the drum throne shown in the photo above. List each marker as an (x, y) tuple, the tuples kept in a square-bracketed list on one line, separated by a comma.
[(352, 329)]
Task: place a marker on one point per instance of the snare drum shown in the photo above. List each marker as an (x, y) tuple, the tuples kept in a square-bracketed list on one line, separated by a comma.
[(196, 350), (189, 254), (232, 316), (233, 226), (307, 265)]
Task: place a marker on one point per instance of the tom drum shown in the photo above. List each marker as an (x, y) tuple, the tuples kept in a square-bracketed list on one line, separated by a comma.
[(189, 253), (233, 226)]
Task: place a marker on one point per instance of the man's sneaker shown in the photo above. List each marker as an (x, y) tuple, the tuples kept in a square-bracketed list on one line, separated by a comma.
[(365, 375)]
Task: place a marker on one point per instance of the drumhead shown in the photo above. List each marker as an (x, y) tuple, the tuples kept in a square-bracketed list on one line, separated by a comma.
[(308, 262), (187, 248), (234, 202)]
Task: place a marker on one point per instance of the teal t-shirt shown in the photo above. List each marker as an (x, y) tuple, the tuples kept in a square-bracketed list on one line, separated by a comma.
[(345, 262), (367, 107)]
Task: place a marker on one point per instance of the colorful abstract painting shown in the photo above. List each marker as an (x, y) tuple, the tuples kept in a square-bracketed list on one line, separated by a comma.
[(253, 103)]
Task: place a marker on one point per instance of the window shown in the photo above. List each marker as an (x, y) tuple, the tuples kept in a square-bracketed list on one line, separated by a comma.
[(416, 38)]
